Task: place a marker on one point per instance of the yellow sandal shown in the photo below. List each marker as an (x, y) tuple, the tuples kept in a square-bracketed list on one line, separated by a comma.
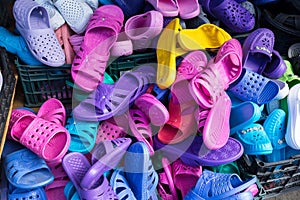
[(167, 51), (206, 36)]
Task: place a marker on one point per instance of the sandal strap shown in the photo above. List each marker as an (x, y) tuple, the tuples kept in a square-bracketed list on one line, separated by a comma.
[(201, 116)]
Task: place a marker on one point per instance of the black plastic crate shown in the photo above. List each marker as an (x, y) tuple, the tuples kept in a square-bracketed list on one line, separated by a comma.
[(40, 83), (275, 178), (6, 93), (127, 63)]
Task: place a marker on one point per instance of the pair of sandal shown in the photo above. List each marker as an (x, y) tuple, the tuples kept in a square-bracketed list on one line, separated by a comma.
[(185, 9), (177, 176), (186, 40), (44, 132)]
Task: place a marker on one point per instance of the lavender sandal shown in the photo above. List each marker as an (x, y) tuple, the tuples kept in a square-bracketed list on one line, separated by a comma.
[(106, 101), (105, 156), (257, 50), (32, 21), (76, 165), (192, 152)]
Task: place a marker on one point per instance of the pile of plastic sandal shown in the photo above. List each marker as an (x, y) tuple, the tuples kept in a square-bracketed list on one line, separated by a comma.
[(169, 130)]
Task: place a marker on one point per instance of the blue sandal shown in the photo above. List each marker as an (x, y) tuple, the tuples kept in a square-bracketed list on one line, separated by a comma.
[(254, 140), (275, 127), (17, 193), (17, 45), (120, 185), (211, 186), (23, 168), (139, 172)]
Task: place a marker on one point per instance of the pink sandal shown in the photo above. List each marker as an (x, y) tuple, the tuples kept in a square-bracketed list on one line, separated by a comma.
[(109, 130), (216, 129), (48, 140), (54, 111), (63, 34), (182, 106), (101, 34), (166, 187), (141, 128), (153, 108), (221, 71), (185, 177)]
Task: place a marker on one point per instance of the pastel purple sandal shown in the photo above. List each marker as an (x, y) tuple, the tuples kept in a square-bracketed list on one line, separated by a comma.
[(105, 156), (32, 21), (257, 50), (141, 29), (193, 152), (76, 165), (106, 101), (234, 16)]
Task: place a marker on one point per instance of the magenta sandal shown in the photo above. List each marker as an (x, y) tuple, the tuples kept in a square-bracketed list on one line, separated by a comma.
[(101, 34), (55, 190), (166, 188), (54, 111), (47, 139), (185, 176), (108, 130), (216, 129)]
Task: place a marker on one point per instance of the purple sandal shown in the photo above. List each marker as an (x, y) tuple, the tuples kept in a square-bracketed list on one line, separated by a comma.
[(105, 156), (257, 50), (76, 165), (107, 101), (233, 15), (193, 152)]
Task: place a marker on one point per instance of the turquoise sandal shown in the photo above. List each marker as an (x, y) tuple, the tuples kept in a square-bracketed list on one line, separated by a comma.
[(83, 134)]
